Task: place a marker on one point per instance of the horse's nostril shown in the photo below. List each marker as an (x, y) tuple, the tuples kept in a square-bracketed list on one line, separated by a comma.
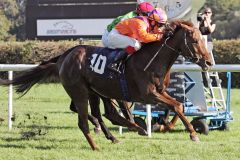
[(209, 63)]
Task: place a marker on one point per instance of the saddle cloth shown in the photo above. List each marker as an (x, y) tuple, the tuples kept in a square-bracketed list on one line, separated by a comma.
[(101, 58), (99, 61)]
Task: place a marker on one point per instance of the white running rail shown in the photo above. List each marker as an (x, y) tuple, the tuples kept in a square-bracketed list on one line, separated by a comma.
[(10, 68)]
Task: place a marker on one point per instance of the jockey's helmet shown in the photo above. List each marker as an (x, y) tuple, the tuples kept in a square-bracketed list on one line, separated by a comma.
[(144, 8), (158, 15)]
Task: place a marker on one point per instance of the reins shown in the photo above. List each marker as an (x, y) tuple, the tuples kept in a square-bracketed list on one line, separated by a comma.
[(192, 57), (155, 55), (149, 63)]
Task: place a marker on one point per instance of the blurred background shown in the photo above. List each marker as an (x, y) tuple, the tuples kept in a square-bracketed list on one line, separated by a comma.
[(226, 15)]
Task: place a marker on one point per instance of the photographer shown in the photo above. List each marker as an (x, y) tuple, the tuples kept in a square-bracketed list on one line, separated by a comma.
[(206, 26)]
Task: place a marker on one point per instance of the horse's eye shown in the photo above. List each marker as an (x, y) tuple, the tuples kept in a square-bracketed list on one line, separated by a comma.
[(190, 32), (195, 42)]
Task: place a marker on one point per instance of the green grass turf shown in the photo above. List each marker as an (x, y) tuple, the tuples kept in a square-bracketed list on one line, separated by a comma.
[(45, 109)]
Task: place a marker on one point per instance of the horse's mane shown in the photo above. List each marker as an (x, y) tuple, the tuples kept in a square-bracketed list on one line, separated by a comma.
[(179, 22), (175, 25)]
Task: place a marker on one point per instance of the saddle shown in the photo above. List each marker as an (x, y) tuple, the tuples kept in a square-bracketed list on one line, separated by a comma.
[(101, 58)]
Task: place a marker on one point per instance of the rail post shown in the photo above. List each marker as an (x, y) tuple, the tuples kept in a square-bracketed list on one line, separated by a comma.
[(149, 119), (120, 127), (10, 97)]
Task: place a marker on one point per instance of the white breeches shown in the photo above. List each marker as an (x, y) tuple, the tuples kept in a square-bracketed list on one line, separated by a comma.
[(105, 38), (116, 40)]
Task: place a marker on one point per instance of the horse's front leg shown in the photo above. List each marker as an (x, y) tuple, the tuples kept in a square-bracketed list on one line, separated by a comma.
[(165, 125), (171, 124), (178, 109)]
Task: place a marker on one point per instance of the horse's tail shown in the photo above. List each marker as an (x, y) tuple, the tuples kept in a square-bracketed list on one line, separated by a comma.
[(40, 74), (24, 82)]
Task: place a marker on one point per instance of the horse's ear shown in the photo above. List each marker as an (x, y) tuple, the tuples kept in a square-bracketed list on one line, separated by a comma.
[(185, 27), (171, 27), (190, 32)]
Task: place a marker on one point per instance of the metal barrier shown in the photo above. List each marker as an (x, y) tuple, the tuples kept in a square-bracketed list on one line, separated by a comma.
[(10, 68), (176, 68)]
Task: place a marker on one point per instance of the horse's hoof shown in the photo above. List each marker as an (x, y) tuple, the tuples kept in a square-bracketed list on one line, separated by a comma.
[(132, 130), (115, 141), (142, 133), (156, 128), (161, 128), (97, 130), (96, 149), (164, 128), (195, 138)]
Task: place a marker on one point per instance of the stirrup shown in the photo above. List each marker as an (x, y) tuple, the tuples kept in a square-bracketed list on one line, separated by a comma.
[(114, 67)]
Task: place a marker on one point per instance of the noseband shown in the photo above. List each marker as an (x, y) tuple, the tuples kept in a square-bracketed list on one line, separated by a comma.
[(192, 56)]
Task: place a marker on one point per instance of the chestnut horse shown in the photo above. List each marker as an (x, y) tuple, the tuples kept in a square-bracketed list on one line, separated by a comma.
[(147, 75)]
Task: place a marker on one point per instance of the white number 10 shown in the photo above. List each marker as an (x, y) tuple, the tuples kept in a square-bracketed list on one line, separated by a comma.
[(98, 63)]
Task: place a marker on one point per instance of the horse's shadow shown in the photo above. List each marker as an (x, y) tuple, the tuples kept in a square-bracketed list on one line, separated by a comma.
[(126, 130), (12, 146), (64, 112), (24, 146)]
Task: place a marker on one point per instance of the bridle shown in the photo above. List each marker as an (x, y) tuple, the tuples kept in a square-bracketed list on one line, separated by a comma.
[(192, 56)]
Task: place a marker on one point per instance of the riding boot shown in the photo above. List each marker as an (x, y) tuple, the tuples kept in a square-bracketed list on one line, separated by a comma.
[(114, 66)]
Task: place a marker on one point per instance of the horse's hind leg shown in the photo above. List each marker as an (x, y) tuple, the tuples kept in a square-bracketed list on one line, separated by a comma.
[(83, 123), (125, 110), (95, 122), (81, 103), (82, 108), (94, 102), (112, 114), (91, 118)]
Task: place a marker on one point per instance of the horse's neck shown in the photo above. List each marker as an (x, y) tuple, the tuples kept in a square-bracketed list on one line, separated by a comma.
[(157, 70), (172, 47), (162, 62)]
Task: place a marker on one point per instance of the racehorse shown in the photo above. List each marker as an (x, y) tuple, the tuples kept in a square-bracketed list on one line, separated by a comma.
[(146, 73)]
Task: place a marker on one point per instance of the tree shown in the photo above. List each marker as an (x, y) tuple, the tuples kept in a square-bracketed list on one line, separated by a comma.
[(14, 11), (4, 26), (226, 16)]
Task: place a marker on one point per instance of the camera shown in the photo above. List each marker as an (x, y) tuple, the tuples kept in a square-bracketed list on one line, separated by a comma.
[(200, 17)]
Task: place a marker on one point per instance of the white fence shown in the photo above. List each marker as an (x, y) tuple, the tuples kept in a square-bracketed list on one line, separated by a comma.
[(10, 68), (176, 68)]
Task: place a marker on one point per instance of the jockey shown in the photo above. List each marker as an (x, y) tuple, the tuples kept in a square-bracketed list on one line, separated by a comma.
[(143, 9), (130, 33)]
